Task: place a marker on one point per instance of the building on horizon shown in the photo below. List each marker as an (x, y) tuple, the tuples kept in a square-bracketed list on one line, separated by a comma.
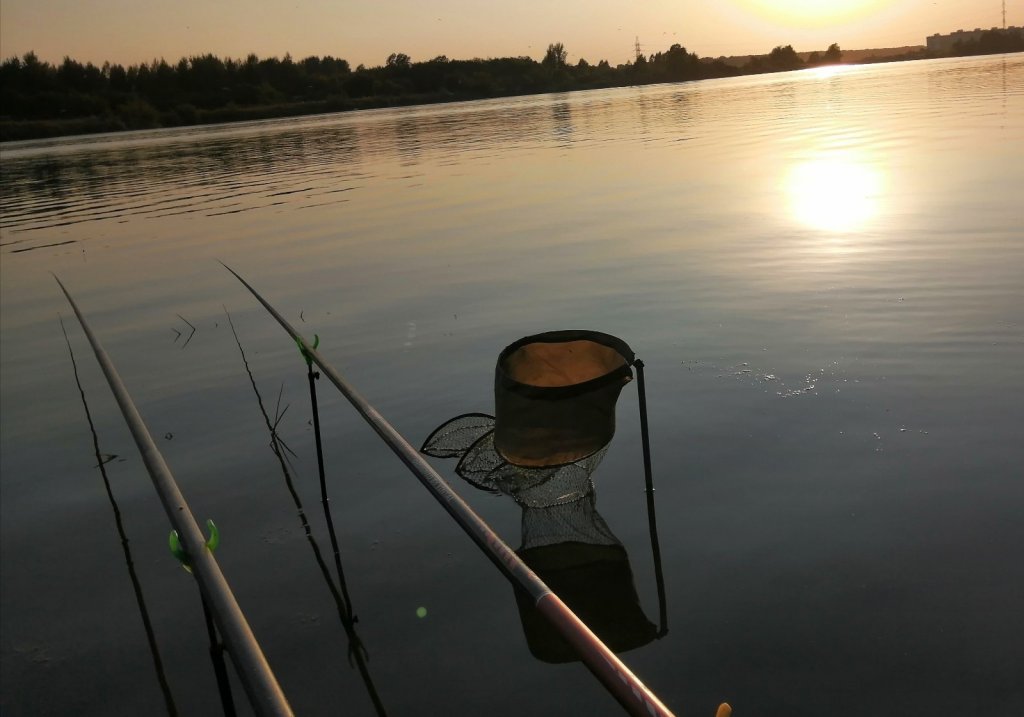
[(944, 43)]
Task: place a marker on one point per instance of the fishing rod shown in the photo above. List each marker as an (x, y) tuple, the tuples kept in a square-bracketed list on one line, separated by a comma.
[(101, 461), (626, 687), (259, 682)]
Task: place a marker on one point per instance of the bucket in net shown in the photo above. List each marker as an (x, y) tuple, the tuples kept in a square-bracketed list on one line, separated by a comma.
[(555, 395)]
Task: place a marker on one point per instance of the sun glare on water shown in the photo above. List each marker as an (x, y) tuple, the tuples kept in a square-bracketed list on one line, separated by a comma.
[(834, 193)]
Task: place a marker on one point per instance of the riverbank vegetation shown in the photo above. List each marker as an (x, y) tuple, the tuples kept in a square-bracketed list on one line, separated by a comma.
[(38, 99)]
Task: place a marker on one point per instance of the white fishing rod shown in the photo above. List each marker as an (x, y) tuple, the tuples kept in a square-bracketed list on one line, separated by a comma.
[(626, 687), (257, 679)]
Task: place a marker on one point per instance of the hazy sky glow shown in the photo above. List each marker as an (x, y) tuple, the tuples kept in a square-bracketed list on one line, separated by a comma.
[(130, 31)]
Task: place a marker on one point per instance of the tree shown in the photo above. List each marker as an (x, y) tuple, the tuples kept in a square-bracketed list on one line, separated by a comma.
[(399, 60), (138, 114), (784, 58), (680, 64), (555, 56), (334, 65), (833, 54), (36, 76), (359, 84), (118, 78)]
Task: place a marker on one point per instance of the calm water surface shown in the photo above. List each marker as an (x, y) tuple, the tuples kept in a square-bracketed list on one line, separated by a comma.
[(822, 270)]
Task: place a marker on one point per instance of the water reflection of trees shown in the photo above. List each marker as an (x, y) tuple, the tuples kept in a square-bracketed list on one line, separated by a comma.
[(153, 178), (561, 122), (206, 172)]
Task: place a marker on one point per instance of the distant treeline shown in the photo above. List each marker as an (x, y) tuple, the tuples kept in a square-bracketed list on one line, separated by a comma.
[(38, 99)]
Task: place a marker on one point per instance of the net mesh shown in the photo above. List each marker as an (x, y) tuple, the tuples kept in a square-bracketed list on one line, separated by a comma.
[(572, 549), (532, 487), (471, 439), (453, 438), (577, 522)]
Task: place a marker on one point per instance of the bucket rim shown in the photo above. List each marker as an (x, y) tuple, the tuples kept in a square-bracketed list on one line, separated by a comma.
[(623, 373)]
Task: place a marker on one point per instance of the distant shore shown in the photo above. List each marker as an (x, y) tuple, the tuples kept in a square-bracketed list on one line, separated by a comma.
[(39, 100)]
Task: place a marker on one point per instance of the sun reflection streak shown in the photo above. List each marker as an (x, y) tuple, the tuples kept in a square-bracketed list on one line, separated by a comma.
[(835, 192), (825, 71)]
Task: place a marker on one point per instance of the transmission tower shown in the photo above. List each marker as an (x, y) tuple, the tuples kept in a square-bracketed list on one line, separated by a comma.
[(1004, 14), (639, 52)]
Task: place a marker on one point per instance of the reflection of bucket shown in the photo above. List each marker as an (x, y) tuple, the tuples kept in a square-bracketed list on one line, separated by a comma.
[(555, 394), (596, 582)]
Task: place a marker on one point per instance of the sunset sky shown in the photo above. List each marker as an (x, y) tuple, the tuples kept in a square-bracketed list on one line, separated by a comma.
[(130, 31)]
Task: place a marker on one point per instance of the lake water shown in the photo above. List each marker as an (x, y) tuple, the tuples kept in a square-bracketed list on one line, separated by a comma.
[(823, 272)]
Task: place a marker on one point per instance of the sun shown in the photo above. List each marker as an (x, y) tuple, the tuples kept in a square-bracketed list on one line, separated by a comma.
[(812, 13)]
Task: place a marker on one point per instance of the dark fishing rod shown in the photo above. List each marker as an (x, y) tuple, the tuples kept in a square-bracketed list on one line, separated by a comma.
[(220, 670), (357, 652), (259, 682), (652, 518), (312, 377), (626, 687)]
